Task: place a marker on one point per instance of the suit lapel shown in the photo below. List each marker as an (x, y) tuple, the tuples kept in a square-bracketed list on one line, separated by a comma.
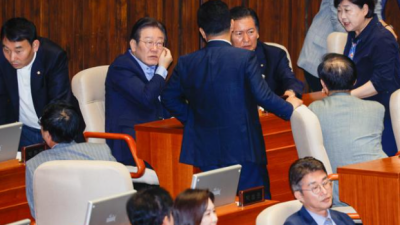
[(307, 217), (37, 79), (266, 60), (12, 79)]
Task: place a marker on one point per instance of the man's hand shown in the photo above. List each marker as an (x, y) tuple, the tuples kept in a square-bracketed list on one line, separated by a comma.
[(165, 58), (294, 101), (290, 93)]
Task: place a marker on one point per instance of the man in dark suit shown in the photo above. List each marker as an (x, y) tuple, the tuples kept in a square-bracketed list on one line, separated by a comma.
[(214, 92), (272, 60), (312, 187), (33, 73), (134, 83)]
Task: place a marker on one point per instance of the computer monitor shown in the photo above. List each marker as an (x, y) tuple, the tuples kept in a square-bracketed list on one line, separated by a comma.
[(9, 140), (109, 210), (222, 182)]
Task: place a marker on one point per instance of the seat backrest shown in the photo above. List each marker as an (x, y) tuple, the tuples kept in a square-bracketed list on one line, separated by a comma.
[(277, 214), (395, 115), (283, 48), (307, 136), (88, 86), (62, 189), (336, 42)]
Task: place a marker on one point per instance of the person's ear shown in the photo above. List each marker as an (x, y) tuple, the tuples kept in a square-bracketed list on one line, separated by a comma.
[(133, 45), (299, 196), (324, 88), (203, 34), (365, 9), (35, 45)]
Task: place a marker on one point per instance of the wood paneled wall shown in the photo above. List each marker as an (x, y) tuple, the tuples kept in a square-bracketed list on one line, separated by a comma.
[(94, 32)]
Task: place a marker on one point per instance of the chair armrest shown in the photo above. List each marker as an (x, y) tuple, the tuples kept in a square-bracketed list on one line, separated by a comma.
[(354, 216), (333, 176), (131, 144)]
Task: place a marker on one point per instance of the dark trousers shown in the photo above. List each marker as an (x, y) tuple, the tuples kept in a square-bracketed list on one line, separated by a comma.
[(388, 141), (314, 84), (252, 175), (30, 136)]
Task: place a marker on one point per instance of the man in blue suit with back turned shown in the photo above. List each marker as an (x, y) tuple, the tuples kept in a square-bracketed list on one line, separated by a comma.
[(214, 92)]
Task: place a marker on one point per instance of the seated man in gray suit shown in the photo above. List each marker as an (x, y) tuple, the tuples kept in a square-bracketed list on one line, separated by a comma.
[(59, 126), (351, 127), (311, 186)]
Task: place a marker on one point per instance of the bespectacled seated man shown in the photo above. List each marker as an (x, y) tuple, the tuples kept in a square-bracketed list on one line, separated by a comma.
[(312, 187)]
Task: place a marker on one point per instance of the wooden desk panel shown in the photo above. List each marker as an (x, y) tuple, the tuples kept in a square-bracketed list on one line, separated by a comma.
[(232, 214), (13, 203), (372, 188)]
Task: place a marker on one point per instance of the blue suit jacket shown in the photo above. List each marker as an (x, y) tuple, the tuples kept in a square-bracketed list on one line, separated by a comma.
[(214, 92), (303, 217), (49, 81), (275, 66), (130, 99)]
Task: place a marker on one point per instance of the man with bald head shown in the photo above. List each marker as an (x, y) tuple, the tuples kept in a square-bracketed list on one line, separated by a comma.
[(351, 127)]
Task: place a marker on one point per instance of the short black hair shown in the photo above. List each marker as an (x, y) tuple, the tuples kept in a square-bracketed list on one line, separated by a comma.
[(360, 4), (144, 23), (214, 17), (61, 120), (18, 29), (301, 168), (337, 71), (149, 206), (240, 12)]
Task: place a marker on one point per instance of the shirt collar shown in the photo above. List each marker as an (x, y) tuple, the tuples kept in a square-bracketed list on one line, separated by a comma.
[(318, 218), (220, 40), (60, 145), (141, 64)]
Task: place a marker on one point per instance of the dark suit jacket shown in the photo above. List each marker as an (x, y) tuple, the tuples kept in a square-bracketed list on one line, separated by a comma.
[(274, 63), (130, 99), (214, 92), (49, 81), (303, 217)]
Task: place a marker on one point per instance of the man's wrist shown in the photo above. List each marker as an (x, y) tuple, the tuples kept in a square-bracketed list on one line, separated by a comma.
[(162, 71)]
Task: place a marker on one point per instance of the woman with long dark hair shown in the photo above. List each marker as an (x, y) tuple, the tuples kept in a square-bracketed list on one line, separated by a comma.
[(195, 207)]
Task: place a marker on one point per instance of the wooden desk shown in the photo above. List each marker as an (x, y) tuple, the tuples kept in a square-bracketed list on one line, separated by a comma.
[(232, 214), (372, 188), (13, 203), (159, 143)]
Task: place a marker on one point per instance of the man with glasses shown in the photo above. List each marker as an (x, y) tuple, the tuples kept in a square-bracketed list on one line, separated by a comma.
[(312, 187), (134, 83), (272, 60)]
